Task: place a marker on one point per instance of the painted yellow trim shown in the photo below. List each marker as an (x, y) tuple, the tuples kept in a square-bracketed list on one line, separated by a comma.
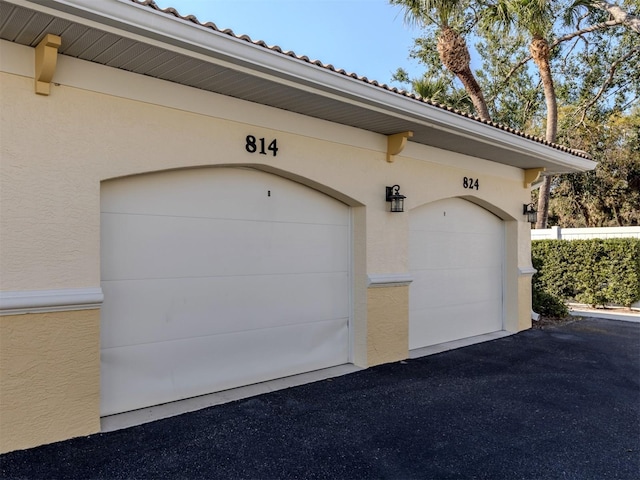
[(46, 59), (532, 175), (396, 143)]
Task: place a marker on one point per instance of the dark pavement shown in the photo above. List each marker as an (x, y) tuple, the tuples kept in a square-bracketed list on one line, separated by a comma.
[(557, 403)]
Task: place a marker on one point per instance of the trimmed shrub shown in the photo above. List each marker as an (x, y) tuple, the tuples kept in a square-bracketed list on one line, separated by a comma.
[(623, 287), (592, 278), (595, 271), (544, 302)]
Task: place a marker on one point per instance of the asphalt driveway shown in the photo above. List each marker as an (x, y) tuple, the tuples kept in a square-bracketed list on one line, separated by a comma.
[(557, 403)]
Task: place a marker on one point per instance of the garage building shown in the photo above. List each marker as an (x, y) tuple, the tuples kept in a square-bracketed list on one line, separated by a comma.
[(186, 211)]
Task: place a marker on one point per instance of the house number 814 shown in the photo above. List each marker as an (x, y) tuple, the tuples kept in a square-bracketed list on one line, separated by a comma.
[(471, 183), (259, 145)]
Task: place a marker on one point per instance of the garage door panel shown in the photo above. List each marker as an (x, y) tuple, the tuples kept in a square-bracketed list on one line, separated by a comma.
[(460, 250), (461, 285), (452, 215), (214, 193), (456, 252), (215, 278), (446, 323), (207, 246), (186, 368), (159, 310)]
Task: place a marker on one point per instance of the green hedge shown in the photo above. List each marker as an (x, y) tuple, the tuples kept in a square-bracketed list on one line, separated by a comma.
[(595, 271)]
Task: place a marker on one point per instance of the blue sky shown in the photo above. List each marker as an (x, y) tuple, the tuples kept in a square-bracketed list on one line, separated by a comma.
[(368, 37)]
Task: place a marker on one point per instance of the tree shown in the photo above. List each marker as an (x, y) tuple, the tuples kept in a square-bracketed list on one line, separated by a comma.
[(586, 54), (535, 17), (618, 14), (438, 90), (449, 16), (601, 82), (609, 195), (516, 99)]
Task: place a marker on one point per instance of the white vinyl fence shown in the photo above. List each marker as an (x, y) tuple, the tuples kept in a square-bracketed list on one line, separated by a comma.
[(557, 233)]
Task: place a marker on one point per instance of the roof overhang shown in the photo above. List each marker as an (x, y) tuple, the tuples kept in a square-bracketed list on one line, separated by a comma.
[(135, 37)]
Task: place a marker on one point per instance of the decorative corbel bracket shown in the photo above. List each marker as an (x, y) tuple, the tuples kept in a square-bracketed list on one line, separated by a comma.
[(46, 59), (396, 143), (531, 175)]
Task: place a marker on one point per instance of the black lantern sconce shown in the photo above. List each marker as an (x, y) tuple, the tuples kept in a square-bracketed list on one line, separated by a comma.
[(530, 212), (395, 198)]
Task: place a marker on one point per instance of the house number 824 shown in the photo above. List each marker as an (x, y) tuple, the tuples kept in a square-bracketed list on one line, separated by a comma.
[(259, 145), (471, 183)]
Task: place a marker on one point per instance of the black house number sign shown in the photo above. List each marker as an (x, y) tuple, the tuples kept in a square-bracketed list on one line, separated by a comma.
[(259, 145), (471, 183)]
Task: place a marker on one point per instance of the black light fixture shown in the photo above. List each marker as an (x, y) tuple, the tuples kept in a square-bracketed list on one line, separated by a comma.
[(396, 199), (530, 211)]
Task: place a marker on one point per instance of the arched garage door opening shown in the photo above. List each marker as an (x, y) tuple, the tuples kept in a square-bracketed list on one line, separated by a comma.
[(456, 258), (216, 278)]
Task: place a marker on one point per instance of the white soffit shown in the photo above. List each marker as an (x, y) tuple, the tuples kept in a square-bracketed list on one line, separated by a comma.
[(164, 46)]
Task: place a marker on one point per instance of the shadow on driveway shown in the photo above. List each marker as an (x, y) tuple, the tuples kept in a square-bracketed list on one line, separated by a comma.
[(557, 403)]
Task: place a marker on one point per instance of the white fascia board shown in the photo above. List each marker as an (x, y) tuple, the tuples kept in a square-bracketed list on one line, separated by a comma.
[(151, 26)]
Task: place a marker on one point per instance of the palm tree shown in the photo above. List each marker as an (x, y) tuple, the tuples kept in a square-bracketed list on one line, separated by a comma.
[(536, 18), (432, 89), (439, 91), (448, 16)]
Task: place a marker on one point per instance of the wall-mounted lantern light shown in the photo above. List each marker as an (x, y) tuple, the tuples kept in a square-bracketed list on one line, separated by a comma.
[(396, 199), (530, 211)]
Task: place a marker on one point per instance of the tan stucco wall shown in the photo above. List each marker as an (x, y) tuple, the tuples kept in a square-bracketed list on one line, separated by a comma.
[(524, 302), (388, 320), (49, 377), (100, 123)]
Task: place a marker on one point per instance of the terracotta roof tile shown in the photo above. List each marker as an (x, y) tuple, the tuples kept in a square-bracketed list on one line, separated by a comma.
[(193, 19)]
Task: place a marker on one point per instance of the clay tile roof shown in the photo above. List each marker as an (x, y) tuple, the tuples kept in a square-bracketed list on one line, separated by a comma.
[(193, 19)]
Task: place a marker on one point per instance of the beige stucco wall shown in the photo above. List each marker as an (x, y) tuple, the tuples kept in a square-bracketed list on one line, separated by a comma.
[(49, 377), (100, 123), (388, 320)]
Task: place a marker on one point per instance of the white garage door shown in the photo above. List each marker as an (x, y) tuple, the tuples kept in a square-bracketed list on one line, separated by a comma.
[(216, 278), (456, 253)]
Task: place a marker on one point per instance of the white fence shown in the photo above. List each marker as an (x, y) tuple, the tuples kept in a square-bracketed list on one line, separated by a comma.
[(557, 233)]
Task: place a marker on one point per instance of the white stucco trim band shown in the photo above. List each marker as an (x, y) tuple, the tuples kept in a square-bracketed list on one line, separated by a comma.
[(527, 271), (42, 301), (389, 280)]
